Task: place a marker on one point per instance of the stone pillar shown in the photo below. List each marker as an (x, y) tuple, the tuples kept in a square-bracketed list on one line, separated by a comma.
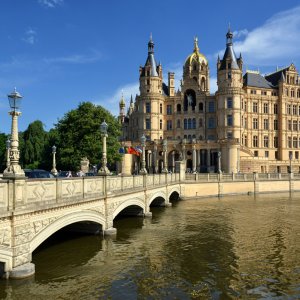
[(208, 159), (155, 160), (199, 160), (194, 158), (173, 161)]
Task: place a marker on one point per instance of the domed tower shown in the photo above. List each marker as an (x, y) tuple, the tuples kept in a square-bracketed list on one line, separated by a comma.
[(230, 102), (150, 102), (195, 77), (122, 105)]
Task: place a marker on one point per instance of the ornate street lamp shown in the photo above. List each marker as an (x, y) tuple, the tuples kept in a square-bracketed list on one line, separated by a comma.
[(14, 169), (165, 148), (219, 162), (54, 171), (103, 129), (143, 170), (7, 153)]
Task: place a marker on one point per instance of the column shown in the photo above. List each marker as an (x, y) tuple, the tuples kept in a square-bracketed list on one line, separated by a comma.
[(173, 161), (194, 157), (208, 159)]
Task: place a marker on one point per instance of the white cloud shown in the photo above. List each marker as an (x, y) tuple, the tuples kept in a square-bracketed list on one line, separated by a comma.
[(111, 102), (277, 41), (240, 33), (30, 36), (51, 3), (76, 58)]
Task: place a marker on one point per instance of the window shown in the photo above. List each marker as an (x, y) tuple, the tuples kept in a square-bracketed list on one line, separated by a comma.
[(178, 123), (211, 137), (245, 106), (160, 108), (253, 92), (266, 141), (194, 123), (160, 124), (189, 123), (264, 93), (211, 106), (266, 124), (229, 65), (289, 124), (274, 93), (295, 125), (148, 107), (292, 93), (229, 103), (185, 124), (266, 153), (255, 141), (294, 109), (229, 135), (276, 157), (275, 109), (229, 120), (266, 108), (201, 106), (288, 109), (295, 142), (211, 123), (179, 108), (169, 109), (200, 123), (298, 93), (245, 123), (148, 124), (255, 123), (275, 124), (289, 142), (169, 124), (275, 141), (255, 107), (256, 153), (296, 154), (229, 75)]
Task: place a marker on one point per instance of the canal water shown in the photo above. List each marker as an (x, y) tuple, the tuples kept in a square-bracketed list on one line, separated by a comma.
[(238, 247)]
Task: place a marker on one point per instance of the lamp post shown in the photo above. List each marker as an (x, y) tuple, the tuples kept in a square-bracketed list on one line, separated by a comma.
[(143, 170), (14, 169), (219, 162), (54, 171), (7, 153), (103, 129), (165, 148)]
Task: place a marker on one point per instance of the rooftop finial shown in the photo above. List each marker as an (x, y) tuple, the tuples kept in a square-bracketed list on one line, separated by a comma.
[(229, 36), (150, 36), (151, 45), (196, 48)]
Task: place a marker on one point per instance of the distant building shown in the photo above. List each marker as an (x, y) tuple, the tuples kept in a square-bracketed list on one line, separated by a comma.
[(251, 123)]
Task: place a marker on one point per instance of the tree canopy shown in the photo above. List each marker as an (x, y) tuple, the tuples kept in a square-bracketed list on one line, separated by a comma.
[(78, 136)]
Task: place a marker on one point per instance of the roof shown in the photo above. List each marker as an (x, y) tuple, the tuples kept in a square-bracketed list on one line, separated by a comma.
[(256, 80), (276, 76), (151, 61), (229, 55), (196, 55), (165, 89)]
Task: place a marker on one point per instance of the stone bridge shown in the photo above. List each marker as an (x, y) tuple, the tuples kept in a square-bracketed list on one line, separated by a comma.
[(31, 210)]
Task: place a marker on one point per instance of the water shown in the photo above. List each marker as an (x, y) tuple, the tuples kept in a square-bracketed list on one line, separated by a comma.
[(240, 247)]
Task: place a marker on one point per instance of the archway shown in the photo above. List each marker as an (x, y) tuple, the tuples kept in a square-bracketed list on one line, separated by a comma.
[(189, 165), (174, 196), (157, 202), (130, 211), (173, 156)]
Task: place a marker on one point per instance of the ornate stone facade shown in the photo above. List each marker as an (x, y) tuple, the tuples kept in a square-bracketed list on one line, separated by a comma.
[(250, 124)]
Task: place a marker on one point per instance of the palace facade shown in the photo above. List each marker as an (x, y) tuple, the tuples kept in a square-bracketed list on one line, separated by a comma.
[(250, 124)]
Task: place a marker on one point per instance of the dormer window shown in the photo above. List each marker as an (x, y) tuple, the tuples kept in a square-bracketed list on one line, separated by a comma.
[(229, 65)]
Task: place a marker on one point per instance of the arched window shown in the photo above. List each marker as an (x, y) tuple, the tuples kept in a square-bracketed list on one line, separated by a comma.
[(194, 123), (178, 107), (185, 124), (295, 142), (298, 93), (194, 67), (201, 106), (189, 100), (160, 108), (160, 124), (189, 123), (203, 84)]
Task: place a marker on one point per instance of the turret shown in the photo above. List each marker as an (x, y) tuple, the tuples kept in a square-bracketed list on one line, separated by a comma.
[(229, 99), (122, 105)]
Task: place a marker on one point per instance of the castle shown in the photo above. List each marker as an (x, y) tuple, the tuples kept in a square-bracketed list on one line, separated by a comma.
[(250, 124)]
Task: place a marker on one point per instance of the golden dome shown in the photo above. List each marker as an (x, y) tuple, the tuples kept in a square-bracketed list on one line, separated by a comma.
[(196, 55), (122, 101)]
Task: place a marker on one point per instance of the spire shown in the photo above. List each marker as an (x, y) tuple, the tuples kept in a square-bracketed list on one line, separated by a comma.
[(282, 78), (150, 45), (196, 48), (229, 37), (131, 100), (122, 101)]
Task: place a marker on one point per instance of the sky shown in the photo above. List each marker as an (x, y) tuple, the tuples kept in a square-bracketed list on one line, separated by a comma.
[(58, 53)]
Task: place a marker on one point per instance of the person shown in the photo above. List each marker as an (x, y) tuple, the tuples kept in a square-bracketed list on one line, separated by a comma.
[(69, 174)]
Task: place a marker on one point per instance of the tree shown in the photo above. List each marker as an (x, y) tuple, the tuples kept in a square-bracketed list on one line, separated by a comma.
[(79, 136), (33, 145), (3, 138)]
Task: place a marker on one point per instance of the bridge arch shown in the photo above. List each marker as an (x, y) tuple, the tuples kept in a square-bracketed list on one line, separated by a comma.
[(133, 202), (160, 196), (80, 216), (174, 194)]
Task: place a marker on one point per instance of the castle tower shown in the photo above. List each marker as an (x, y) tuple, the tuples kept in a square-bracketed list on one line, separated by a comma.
[(150, 102), (230, 105)]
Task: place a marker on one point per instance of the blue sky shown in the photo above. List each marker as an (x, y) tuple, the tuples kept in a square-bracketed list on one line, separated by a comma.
[(61, 52)]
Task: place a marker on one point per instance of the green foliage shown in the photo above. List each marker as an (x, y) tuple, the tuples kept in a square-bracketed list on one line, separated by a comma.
[(32, 145), (78, 136), (3, 138)]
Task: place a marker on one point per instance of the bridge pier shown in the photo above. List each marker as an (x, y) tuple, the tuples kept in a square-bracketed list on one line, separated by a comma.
[(22, 271), (110, 231)]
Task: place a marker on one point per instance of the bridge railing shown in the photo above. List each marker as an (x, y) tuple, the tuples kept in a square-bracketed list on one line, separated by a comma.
[(212, 177), (38, 194)]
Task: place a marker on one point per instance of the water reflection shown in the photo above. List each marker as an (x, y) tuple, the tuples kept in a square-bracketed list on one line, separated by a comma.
[(227, 248)]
